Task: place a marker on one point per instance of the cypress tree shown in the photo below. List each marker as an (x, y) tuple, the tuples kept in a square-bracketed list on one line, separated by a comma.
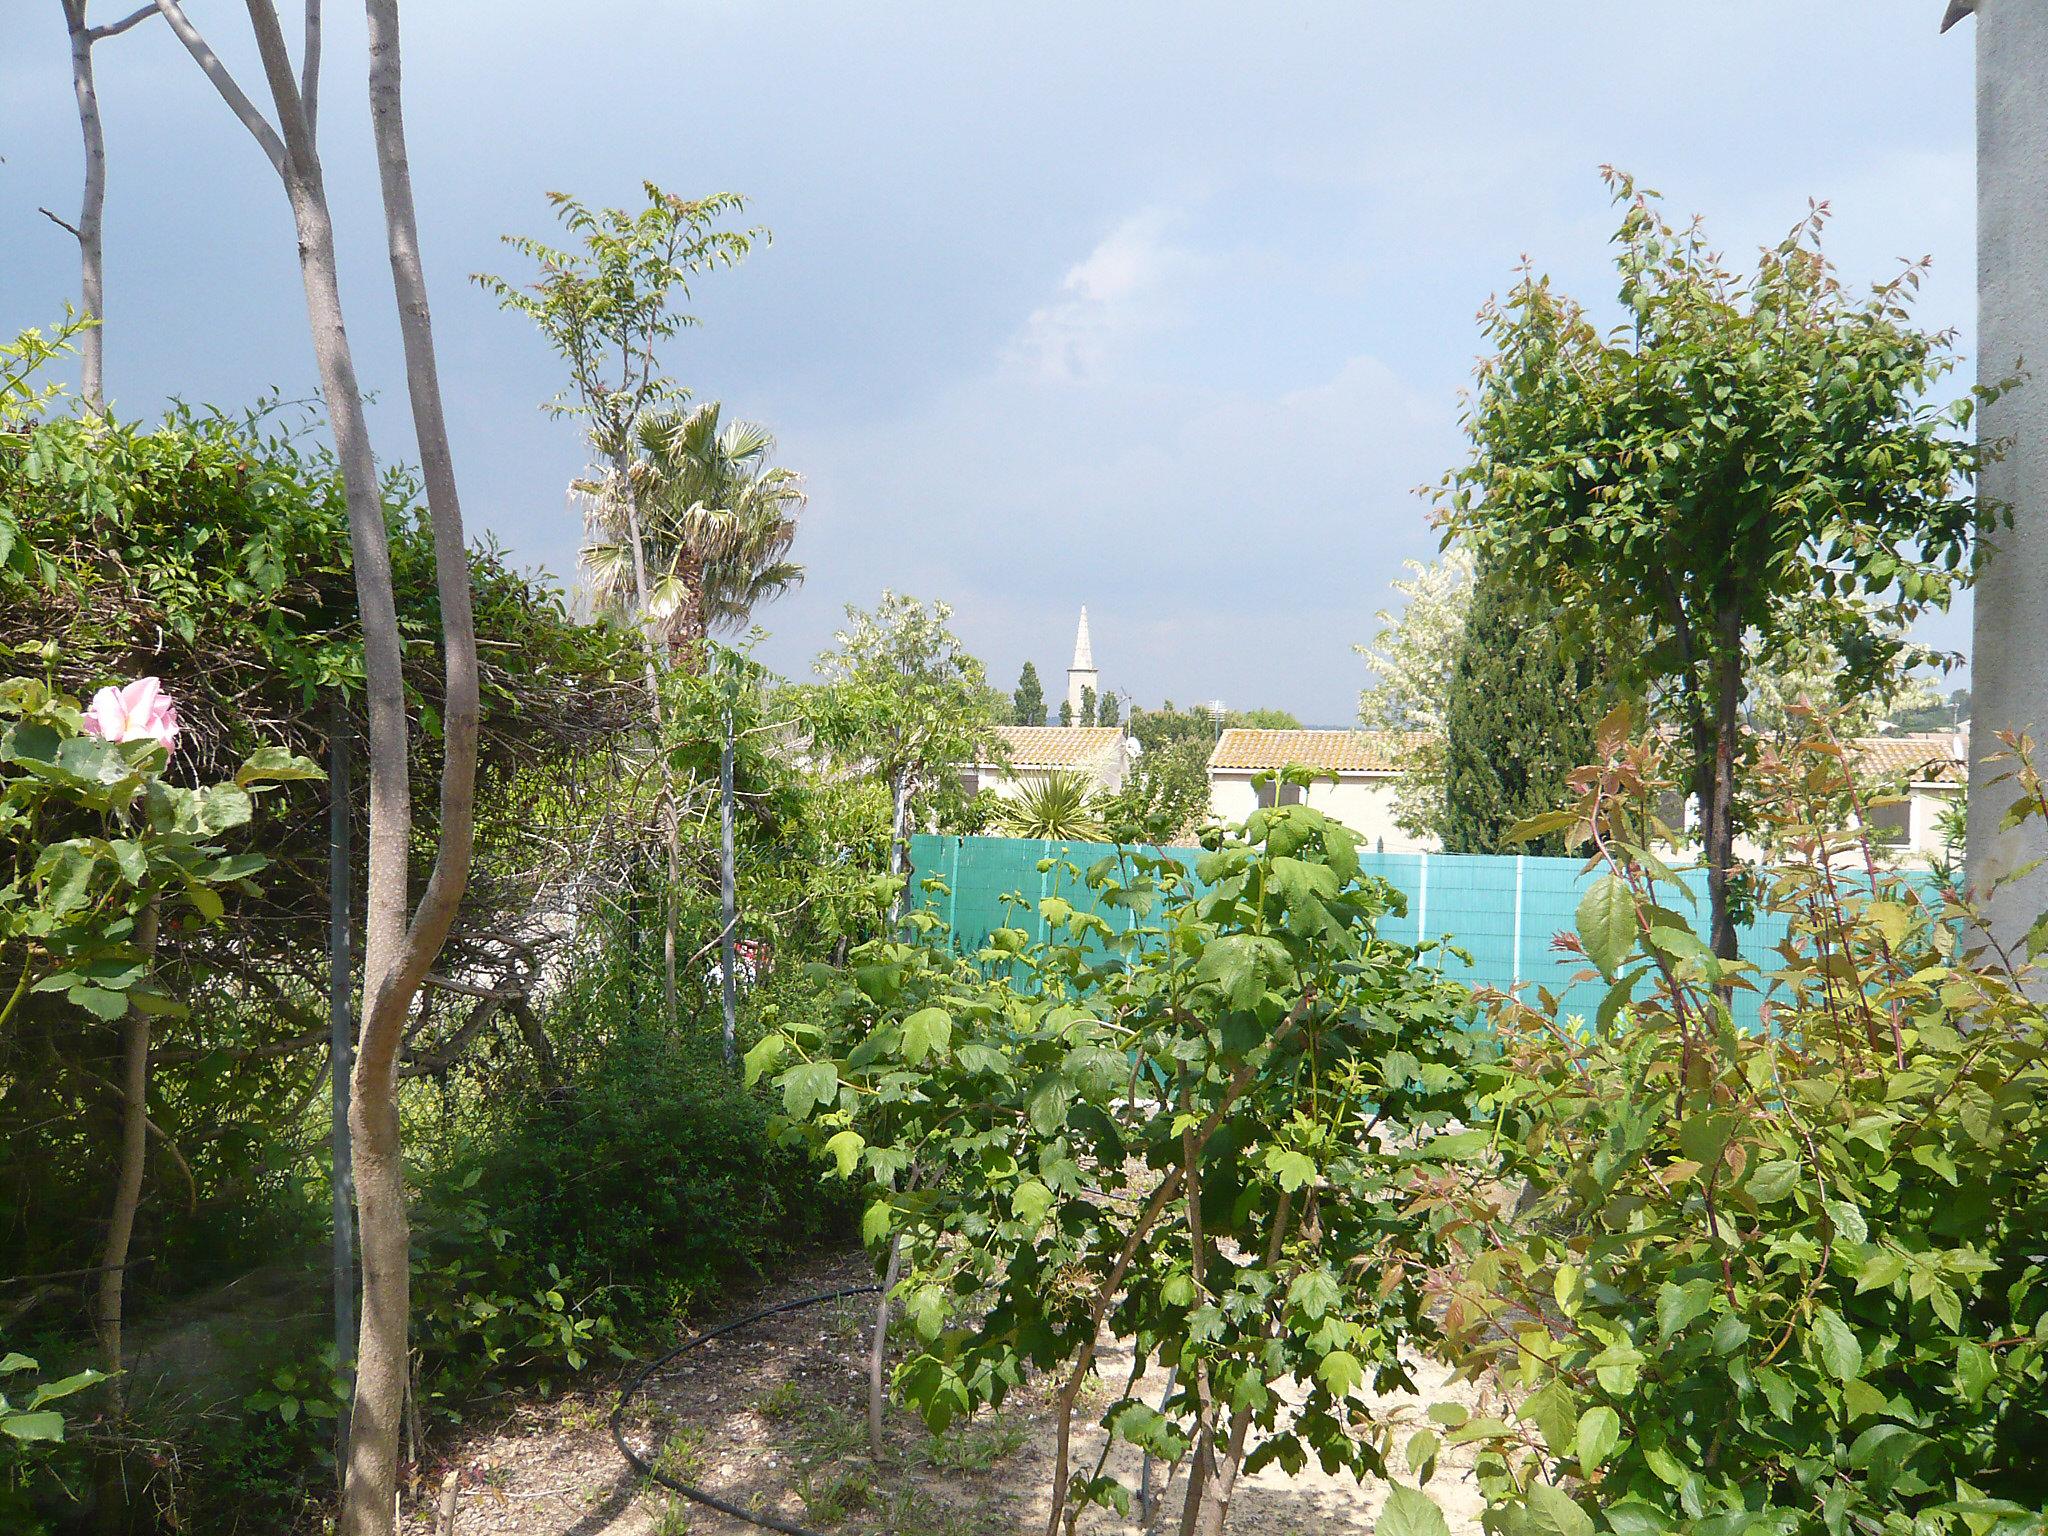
[(1066, 712), (1519, 719), (1087, 706), (1027, 704), (1109, 711)]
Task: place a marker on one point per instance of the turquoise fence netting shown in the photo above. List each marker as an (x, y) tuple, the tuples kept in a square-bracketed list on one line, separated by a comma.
[(1503, 911)]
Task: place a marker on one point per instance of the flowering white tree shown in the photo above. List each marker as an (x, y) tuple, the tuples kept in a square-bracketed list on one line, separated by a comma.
[(1411, 660)]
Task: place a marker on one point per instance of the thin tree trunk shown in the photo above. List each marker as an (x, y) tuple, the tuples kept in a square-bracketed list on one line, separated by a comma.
[(134, 1085), (341, 1050), (728, 896), (1719, 829), (672, 833), (91, 212), (396, 953), (878, 1348), (383, 1354)]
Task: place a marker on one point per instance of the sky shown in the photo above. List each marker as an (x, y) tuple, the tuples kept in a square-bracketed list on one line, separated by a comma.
[(1159, 308)]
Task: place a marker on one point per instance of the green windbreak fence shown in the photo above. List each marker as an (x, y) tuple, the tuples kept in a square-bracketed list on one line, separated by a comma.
[(1502, 911)]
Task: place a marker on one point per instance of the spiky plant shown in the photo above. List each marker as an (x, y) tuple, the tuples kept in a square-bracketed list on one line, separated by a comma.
[(1061, 807)]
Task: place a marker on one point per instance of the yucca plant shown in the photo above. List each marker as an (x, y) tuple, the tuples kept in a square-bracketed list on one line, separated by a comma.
[(1061, 807)]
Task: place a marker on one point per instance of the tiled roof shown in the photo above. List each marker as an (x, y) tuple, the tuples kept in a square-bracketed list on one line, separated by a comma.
[(1336, 751), (1929, 757), (1059, 746)]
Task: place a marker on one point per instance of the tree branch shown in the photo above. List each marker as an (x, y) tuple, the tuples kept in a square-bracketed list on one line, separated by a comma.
[(309, 69), (237, 99), (116, 28), (64, 224)]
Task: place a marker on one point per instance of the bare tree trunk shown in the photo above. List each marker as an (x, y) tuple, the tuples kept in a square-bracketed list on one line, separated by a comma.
[(671, 829), (341, 1053), (383, 1353), (134, 1083), (878, 1348), (397, 953), (728, 897), (1719, 829), (89, 230), (91, 212)]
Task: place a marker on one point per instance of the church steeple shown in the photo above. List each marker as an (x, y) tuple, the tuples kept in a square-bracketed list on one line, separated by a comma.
[(1082, 673)]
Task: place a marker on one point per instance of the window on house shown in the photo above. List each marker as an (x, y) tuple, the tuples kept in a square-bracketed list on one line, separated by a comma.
[(1288, 794)]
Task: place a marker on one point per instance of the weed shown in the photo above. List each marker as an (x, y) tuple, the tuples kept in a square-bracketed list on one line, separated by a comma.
[(977, 1444), (781, 1402), (830, 1498)]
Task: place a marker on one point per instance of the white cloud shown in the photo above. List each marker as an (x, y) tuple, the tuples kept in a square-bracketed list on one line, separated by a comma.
[(1123, 287)]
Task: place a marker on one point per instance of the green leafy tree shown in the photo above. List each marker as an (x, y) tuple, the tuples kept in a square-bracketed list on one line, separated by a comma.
[(1264, 719), (901, 693), (716, 524), (1027, 704), (1746, 464), (1236, 1142), (1110, 711), (1066, 711), (1783, 1279), (607, 306), (1521, 718), (1087, 706)]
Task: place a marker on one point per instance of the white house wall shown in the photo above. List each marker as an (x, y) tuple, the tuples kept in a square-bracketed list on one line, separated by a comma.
[(1362, 802)]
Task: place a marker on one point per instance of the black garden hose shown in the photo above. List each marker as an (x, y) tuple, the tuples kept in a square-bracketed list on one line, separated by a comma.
[(639, 1382)]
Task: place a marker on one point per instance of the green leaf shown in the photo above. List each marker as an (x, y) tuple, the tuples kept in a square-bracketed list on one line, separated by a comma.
[(927, 1032), (766, 1052), (1599, 1434), (1031, 1201), (276, 765), (845, 1148), (1293, 1169), (50, 1391), (1839, 1351), (1773, 1181), (1555, 1514), (1678, 1305), (874, 1222), (1340, 1371), (47, 1425), (1976, 1370), (1315, 1291), (805, 1087), (1880, 1270), (1607, 923), (1410, 1512)]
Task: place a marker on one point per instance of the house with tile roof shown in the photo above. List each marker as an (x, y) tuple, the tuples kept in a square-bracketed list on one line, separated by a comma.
[(1921, 775), (1362, 768), (1034, 753)]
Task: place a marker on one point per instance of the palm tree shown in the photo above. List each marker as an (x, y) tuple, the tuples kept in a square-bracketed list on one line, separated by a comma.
[(1059, 808), (717, 521)]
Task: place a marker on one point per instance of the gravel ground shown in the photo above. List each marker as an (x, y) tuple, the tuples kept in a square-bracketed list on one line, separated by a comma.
[(773, 1419)]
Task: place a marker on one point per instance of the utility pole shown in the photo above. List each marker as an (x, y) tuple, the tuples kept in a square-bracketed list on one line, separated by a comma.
[(2008, 683)]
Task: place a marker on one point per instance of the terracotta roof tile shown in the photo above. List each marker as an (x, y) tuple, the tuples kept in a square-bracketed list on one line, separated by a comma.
[(1928, 757), (1337, 751), (1059, 746)]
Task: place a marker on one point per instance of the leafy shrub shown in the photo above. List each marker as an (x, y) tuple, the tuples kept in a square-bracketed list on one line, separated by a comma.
[(645, 1182), (1223, 1129), (1788, 1280)]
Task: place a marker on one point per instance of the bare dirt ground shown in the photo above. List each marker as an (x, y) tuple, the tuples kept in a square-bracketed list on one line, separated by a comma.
[(773, 1418)]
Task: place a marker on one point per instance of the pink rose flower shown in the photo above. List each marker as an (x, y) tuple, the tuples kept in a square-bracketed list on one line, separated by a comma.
[(134, 713)]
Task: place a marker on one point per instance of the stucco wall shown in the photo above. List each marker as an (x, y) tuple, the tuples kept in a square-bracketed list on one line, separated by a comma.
[(1364, 803)]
